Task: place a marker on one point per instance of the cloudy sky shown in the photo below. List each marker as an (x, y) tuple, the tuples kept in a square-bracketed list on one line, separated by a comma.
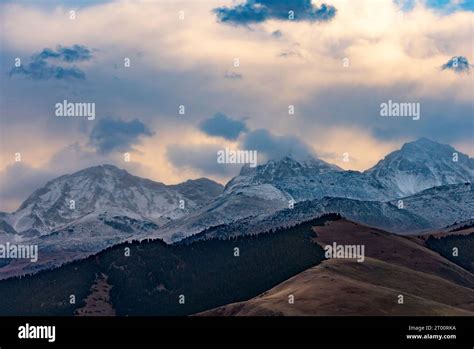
[(235, 67)]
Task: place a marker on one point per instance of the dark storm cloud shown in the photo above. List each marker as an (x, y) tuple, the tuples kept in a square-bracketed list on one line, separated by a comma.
[(223, 126), (41, 67), (458, 64), (41, 70), (67, 54), (440, 120), (202, 158), (110, 135), (447, 119), (256, 11), (271, 146)]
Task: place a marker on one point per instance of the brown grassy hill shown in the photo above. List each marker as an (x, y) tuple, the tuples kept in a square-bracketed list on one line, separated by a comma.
[(395, 249), (394, 265)]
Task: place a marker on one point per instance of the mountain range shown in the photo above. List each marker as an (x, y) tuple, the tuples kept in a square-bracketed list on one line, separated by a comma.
[(424, 185)]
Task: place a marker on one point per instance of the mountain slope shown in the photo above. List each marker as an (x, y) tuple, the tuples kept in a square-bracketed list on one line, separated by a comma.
[(443, 205), (81, 238)]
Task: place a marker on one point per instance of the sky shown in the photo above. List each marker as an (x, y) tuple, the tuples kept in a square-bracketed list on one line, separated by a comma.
[(173, 82)]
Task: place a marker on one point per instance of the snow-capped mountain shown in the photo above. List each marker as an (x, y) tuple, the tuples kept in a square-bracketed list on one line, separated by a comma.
[(103, 188), (420, 165)]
